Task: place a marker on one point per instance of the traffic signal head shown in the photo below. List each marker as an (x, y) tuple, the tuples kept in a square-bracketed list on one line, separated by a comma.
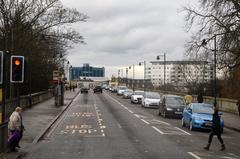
[(17, 69)]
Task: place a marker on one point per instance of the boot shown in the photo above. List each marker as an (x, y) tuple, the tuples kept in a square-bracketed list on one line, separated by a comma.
[(222, 147), (207, 147)]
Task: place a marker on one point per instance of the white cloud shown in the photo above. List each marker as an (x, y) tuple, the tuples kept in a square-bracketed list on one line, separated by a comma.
[(120, 33)]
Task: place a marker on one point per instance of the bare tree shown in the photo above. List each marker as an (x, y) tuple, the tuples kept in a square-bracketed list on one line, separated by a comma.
[(41, 31), (220, 18)]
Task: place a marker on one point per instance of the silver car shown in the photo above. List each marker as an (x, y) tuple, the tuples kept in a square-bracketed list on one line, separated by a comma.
[(137, 97), (127, 94), (151, 99)]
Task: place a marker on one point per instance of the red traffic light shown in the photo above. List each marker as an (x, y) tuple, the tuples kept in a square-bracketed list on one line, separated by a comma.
[(17, 69), (17, 62)]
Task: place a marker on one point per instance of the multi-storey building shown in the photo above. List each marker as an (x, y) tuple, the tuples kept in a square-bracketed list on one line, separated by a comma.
[(86, 71), (179, 72)]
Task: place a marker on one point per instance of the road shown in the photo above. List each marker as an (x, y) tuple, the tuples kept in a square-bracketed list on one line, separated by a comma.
[(105, 126)]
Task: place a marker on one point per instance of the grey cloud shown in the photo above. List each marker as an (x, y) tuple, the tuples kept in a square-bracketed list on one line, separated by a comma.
[(123, 32)]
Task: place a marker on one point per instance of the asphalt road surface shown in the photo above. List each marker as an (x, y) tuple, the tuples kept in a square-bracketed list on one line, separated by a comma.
[(105, 126)]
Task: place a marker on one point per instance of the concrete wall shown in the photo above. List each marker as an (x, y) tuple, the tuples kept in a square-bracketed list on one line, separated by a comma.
[(25, 101)]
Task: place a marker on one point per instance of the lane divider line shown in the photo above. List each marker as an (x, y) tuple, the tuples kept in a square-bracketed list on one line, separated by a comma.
[(136, 115), (145, 121), (182, 130), (159, 131), (130, 111), (194, 155)]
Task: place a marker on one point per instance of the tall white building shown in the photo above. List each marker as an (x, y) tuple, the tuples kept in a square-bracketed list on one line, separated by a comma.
[(179, 72)]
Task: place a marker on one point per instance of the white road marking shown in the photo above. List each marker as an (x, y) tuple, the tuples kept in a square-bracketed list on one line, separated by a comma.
[(232, 154), (120, 127), (159, 121), (182, 131), (145, 121), (136, 115), (130, 111), (193, 155), (159, 131)]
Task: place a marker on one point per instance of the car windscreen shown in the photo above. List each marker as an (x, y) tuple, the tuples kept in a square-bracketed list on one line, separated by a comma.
[(139, 93), (203, 109), (128, 91), (153, 95), (175, 101)]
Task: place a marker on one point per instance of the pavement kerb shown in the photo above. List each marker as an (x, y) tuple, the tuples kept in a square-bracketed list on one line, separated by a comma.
[(36, 139), (232, 128)]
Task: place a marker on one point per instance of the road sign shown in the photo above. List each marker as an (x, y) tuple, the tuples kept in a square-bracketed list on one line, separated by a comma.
[(56, 75), (1, 69)]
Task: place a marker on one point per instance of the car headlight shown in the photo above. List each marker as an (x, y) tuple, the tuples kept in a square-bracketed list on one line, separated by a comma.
[(169, 109), (198, 118), (148, 101)]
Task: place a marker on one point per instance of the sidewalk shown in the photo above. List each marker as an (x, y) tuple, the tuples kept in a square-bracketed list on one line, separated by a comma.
[(231, 121), (36, 120)]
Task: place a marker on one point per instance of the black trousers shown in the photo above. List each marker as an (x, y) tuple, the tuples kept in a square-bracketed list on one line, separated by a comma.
[(218, 136)]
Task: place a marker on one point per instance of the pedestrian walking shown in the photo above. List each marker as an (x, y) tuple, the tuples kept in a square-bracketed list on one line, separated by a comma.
[(216, 130), (16, 128), (200, 97), (238, 105), (188, 98)]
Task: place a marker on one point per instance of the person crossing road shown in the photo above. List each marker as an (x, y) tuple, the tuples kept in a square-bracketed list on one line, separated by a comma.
[(216, 130)]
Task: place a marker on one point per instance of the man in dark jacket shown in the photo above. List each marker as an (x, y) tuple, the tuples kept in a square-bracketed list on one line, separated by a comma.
[(216, 130)]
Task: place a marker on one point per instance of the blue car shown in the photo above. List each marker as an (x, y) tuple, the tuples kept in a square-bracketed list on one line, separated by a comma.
[(199, 116)]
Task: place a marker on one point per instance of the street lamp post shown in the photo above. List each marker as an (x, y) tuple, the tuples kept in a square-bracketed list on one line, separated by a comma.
[(133, 67), (164, 63), (204, 42), (144, 78)]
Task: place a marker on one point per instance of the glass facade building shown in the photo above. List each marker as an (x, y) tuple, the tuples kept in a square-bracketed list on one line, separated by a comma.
[(86, 71)]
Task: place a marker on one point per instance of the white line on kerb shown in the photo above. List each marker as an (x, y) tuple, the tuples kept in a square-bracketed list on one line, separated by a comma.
[(145, 121), (157, 130), (182, 131), (193, 155)]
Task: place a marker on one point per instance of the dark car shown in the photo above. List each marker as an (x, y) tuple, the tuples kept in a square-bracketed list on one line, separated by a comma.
[(172, 105), (84, 90), (97, 89)]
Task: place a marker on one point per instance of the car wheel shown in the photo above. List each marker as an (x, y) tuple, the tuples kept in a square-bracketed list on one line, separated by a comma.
[(191, 126), (183, 123), (131, 101)]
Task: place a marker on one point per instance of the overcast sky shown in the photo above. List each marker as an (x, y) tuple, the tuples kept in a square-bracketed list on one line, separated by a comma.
[(120, 33)]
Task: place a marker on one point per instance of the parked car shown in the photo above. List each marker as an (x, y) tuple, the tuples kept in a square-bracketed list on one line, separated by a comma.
[(137, 97), (84, 90), (97, 89), (151, 99), (121, 90), (199, 115), (113, 89), (172, 105), (127, 94)]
